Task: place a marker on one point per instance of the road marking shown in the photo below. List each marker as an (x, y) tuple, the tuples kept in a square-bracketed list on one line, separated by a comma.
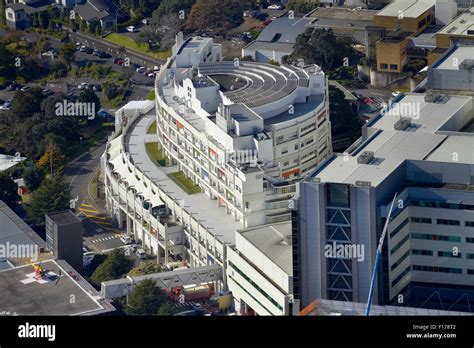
[(86, 205), (88, 211), (103, 223), (95, 217)]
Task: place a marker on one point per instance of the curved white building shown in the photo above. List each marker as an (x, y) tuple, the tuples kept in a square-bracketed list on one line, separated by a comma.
[(245, 132)]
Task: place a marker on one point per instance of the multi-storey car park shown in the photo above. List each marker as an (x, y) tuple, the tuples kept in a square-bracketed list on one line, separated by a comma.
[(244, 132), (420, 147)]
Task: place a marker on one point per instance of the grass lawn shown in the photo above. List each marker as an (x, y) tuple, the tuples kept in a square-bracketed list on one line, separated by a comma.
[(133, 45), (152, 129), (185, 183), (156, 153)]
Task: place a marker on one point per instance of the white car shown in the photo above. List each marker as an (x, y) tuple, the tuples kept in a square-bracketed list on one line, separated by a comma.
[(396, 93), (131, 29), (25, 88), (141, 253), (275, 7), (126, 239), (83, 85), (141, 70), (151, 75)]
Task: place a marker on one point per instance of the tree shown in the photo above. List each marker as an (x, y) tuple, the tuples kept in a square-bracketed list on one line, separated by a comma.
[(343, 117), (302, 6), (52, 159), (147, 299), (145, 268), (220, 15), (8, 190), (114, 267), (89, 96), (322, 47), (67, 53), (52, 196), (33, 177)]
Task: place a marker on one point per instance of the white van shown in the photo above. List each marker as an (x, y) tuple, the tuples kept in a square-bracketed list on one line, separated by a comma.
[(141, 253)]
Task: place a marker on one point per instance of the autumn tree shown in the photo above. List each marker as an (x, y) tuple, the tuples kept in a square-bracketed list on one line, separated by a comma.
[(52, 159)]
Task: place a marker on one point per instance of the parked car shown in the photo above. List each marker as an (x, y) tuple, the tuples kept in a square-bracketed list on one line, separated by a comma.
[(104, 114), (103, 54), (83, 85), (131, 29), (89, 50), (25, 88), (82, 49), (141, 70), (71, 97), (96, 52), (117, 61), (47, 92), (140, 253), (97, 88), (275, 7), (151, 75), (126, 239), (13, 86)]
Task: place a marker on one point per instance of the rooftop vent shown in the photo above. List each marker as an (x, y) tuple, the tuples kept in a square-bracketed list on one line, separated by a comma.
[(467, 64), (365, 157), (431, 97), (402, 124)]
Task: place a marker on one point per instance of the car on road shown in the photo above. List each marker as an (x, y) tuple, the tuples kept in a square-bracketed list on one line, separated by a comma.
[(82, 49), (96, 52), (118, 61), (141, 254), (396, 93), (25, 88), (131, 29), (275, 7), (71, 97), (103, 54), (83, 85), (89, 50), (151, 75), (141, 70), (14, 86), (97, 88), (126, 239), (104, 114), (47, 92)]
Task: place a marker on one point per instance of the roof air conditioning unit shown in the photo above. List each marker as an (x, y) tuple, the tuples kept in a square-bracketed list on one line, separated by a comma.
[(365, 157), (402, 124)]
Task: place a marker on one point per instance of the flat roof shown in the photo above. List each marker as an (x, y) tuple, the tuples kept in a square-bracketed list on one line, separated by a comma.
[(15, 231), (429, 137), (283, 30), (461, 24), (6, 161), (23, 295), (454, 59), (409, 8), (64, 217), (343, 13), (271, 46), (274, 241)]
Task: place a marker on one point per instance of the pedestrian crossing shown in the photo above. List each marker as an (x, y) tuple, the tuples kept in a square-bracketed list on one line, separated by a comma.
[(104, 239), (185, 304)]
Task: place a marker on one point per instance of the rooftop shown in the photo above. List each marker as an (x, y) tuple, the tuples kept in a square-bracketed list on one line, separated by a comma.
[(461, 25), (455, 58), (432, 134), (15, 231), (23, 295), (338, 13), (6, 161), (274, 241), (409, 8), (64, 218), (283, 30)]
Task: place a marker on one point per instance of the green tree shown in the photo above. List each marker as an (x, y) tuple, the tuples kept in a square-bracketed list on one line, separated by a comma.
[(52, 196), (33, 177), (145, 268), (114, 267), (67, 53), (343, 117), (89, 96), (8, 190), (302, 6), (147, 299)]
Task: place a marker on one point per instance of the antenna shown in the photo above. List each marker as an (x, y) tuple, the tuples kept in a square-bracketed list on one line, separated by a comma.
[(377, 257)]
